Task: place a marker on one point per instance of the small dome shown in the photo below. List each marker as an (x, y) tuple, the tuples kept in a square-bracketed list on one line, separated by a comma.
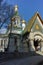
[(23, 21), (15, 8)]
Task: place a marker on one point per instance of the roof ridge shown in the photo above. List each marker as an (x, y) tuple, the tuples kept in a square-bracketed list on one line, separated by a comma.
[(31, 22)]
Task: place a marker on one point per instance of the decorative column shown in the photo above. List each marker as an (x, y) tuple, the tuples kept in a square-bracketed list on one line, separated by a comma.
[(3, 46), (6, 43), (41, 45), (11, 45), (18, 43), (0, 42), (31, 42), (0, 45)]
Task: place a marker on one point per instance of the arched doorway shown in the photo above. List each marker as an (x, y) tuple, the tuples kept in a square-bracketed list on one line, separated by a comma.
[(37, 42), (37, 45)]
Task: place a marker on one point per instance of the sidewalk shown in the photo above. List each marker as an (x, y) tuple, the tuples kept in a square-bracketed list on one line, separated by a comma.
[(17, 55), (33, 60)]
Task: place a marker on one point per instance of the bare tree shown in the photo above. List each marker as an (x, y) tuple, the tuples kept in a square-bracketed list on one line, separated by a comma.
[(6, 13)]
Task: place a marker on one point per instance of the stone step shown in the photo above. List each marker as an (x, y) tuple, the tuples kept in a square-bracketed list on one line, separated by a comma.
[(39, 52)]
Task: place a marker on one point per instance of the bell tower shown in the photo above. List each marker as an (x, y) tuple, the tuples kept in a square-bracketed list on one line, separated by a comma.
[(16, 18), (16, 21)]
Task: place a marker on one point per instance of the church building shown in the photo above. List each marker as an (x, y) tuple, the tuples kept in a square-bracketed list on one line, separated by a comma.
[(22, 36)]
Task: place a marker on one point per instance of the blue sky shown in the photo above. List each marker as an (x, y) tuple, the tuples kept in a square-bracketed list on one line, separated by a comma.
[(27, 8)]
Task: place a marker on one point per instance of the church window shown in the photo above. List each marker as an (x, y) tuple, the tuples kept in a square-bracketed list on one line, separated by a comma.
[(5, 43), (14, 23)]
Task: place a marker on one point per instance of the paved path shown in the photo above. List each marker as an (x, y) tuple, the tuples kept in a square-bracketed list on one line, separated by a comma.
[(26, 61)]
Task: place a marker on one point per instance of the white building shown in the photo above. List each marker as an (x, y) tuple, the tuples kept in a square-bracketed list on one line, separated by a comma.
[(11, 41), (23, 37), (34, 34)]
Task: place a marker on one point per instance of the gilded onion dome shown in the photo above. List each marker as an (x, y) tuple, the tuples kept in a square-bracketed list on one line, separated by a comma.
[(23, 21)]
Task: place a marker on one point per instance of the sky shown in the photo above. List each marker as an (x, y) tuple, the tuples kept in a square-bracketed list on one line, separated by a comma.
[(27, 8)]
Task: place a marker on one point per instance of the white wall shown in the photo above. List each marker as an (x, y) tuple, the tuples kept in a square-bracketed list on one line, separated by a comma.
[(5, 44)]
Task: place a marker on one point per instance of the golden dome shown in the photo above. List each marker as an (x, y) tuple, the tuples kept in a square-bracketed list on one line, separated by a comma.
[(23, 21)]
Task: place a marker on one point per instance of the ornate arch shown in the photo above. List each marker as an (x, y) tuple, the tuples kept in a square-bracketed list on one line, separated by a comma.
[(38, 35)]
